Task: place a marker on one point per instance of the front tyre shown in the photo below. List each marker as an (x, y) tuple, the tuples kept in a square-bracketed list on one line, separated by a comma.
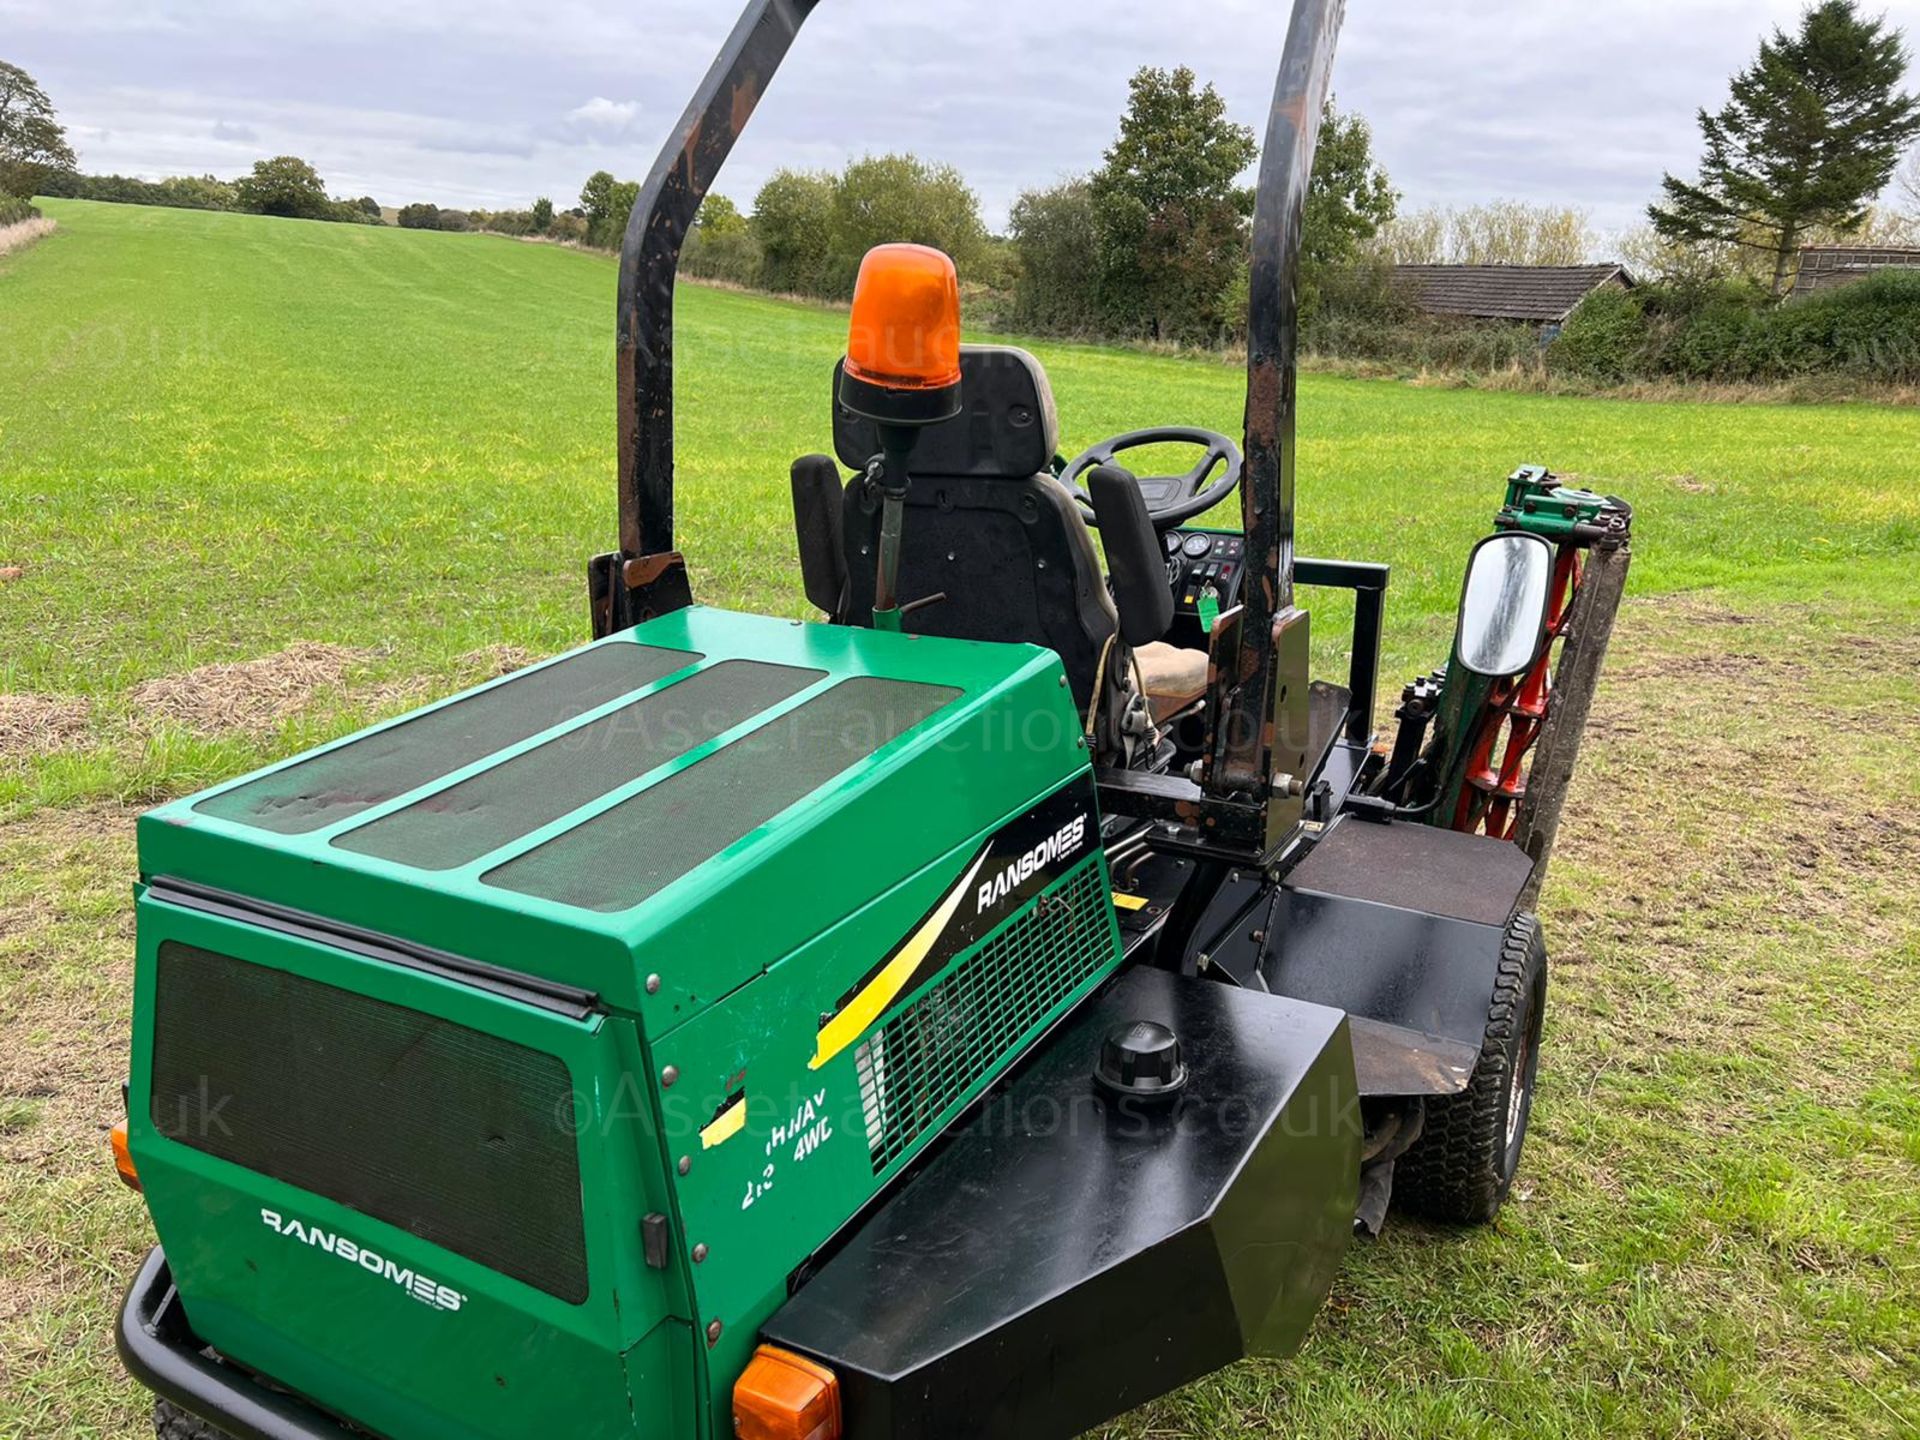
[(1463, 1164)]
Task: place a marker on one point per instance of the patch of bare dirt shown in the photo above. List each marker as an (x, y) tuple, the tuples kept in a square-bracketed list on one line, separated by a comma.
[(1730, 665), (1697, 609), (249, 695), (1744, 852), (39, 724)]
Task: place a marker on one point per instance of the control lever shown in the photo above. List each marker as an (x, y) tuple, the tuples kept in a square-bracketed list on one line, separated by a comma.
[(1134, 557)]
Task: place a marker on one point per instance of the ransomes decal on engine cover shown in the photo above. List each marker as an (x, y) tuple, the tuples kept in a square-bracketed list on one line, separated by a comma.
[(1023, 858), (424, 1288), (1069, 840)]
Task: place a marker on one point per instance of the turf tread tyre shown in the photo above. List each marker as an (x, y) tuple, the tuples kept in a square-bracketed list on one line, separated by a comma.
[(170, 1422), (1463, 1164)]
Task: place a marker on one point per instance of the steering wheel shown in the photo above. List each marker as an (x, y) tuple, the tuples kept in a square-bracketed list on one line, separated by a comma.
[(1172, 500)]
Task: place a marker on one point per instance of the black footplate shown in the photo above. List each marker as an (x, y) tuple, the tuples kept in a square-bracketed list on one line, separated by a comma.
[(1079, 1248)]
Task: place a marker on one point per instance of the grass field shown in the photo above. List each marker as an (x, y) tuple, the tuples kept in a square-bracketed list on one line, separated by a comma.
[(265, 480)]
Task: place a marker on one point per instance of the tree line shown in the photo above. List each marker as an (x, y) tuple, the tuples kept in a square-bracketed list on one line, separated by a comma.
[(285, 185), (1153, 245)]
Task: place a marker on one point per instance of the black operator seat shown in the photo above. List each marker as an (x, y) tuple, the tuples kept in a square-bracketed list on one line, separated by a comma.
[(987, 524)]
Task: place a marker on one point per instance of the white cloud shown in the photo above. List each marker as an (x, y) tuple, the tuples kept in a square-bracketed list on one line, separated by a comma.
[(600, 113)]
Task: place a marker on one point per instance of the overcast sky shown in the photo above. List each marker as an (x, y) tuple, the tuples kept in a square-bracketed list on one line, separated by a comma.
[(490, 102)]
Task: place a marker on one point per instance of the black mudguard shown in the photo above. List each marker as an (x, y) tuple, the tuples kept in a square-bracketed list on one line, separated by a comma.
[(1067, 1255), (1398, 924)]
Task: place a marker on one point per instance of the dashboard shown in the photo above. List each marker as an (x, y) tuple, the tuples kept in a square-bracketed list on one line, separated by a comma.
[(1198, 560)]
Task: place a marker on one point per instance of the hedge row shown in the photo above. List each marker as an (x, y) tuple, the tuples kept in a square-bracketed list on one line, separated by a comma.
[(1721, 332), (13, 210), (1869, 330)]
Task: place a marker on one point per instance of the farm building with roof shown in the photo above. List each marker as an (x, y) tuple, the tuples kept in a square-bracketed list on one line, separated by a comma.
[(1543, 295), (1826, 267)]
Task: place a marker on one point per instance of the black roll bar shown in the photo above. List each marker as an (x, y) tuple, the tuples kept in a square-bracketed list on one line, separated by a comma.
[(650, 261), (1244, 711)]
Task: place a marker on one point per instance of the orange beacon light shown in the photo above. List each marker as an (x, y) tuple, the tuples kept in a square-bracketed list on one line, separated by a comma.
[(903, 343)]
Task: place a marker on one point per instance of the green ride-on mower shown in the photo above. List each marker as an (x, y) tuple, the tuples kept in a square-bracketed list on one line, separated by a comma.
[(974, 1014)]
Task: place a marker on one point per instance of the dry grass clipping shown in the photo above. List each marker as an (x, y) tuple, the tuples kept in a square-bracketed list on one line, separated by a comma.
[(490, 662), (38, 724), (20, 235), (249, 695)]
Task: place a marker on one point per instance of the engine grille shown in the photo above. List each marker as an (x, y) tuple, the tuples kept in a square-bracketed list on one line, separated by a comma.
[(462, 1138), (929, 1055)]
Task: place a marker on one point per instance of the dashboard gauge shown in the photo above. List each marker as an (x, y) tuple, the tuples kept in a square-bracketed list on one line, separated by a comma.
[(1198, 545), (1174, 540)]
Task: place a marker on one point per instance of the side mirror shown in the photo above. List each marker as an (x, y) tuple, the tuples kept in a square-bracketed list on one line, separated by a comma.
[(1503, 609)]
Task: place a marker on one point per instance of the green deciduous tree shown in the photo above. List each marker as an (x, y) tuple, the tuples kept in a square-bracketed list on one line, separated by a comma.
[(1811, 133), (719, 216), (607, 204), (812, 228), (596, 196), (198, 192), (722, 245), (1056, 235), (1349, 202), (793, 219), (542, 215), (285, 185), (1172, 209), (32, 140), (882, 199)]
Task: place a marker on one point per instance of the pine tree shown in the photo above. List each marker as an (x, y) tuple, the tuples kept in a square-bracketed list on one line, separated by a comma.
[(1811, 133)]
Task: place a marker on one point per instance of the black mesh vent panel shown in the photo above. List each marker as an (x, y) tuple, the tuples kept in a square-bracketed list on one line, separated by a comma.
[(617, 859), (343, 782), (460, 824), (943, 1044), (461, 1138)]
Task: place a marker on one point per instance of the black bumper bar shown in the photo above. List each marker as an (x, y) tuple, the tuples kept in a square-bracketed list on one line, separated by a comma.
[(163, 1354)]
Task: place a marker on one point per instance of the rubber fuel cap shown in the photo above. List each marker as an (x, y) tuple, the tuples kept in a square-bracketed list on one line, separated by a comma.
[(1141, 1060)]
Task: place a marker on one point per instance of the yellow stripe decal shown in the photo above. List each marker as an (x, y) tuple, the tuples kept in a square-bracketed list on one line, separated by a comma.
[(1129, 902), (865, 1008), (724, 1126)]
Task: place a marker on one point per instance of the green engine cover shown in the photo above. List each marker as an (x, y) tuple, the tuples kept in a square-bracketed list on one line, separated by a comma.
[(501, 1064)]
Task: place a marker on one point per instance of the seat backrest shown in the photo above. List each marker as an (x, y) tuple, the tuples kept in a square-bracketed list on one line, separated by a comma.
[(987, 524)]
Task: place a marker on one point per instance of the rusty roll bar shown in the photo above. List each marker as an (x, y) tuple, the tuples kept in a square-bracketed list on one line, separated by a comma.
[(650, 261), (1245, 711)]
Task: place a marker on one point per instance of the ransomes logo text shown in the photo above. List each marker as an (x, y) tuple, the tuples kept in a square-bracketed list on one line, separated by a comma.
[(1059, 845), (423, 1288)]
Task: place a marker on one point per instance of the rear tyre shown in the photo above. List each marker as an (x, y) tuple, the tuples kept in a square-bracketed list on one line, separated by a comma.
[(1463, 1164), (170, 1422)]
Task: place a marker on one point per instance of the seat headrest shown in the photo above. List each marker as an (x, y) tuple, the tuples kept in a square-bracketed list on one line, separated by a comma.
[(1006, 428)]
